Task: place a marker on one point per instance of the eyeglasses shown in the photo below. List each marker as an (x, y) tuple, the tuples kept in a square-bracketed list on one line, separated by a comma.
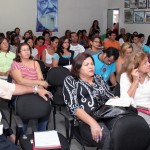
[(25, 50)]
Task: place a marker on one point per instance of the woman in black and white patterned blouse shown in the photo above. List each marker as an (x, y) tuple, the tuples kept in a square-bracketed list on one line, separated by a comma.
[(83, 91)]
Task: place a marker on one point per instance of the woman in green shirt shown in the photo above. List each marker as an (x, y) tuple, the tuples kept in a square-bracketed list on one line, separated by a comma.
[(6, 57)]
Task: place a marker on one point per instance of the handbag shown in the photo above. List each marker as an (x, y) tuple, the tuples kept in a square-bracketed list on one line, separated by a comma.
[(108, 112)]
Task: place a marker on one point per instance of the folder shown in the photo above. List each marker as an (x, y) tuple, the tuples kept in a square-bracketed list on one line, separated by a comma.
[(46, 140)]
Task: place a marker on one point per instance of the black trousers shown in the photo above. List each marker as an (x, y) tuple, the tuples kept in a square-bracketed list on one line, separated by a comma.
[(85, 131)]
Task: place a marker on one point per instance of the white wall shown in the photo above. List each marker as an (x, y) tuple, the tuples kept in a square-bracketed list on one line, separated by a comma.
[(73, 15), (140, 28)]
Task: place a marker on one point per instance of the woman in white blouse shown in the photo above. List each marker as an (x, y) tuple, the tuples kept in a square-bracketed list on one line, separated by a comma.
[(135, 80)]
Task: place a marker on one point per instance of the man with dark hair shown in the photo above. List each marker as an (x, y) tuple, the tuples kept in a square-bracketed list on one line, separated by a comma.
[(111, 42), (74, 45), (105, 64), (137, 46), (141, 37)]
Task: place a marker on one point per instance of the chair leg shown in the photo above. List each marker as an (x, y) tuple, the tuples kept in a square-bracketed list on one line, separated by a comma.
[(67, 128), (10, 117), (17, 135), (54, 119)]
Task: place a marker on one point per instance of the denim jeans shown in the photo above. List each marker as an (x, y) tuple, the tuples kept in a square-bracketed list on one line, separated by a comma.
[(42, 124)]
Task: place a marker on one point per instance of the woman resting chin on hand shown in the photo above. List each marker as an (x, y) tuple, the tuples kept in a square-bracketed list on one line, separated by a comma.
[(135, 80)]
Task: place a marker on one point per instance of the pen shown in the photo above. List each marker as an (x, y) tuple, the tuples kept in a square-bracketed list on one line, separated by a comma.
[(98, 139)]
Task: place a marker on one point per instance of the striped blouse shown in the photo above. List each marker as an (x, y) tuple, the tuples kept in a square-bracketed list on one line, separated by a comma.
[(26, 71)]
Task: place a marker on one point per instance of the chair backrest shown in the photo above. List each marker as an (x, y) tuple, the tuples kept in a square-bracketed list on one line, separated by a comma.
[(42, 66), (32, 106), (130, 132), (56, 76)]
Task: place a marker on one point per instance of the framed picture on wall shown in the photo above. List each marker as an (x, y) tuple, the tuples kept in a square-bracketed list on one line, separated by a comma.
[(142, 4), (128, 16), (133, 3), (147, 16), (148, 2), (126, 3), (139, 17)]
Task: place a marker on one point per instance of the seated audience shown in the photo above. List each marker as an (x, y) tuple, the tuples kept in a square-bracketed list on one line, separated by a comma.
[(85, 39), (141, 37), (80, 37), (74, 46), (34, 51), (32, 35), (83, 91), (94, 28), (15, 42), (26, 71), (137, 46), (47, 37), (63, 56), (135, 79), (105, 64), (26, 35), (146, 47), (126, 50), (39, 45), (104, 36), (6, 57), (47, 54), (122, 33), (112, 41), (95, 44), (17, 30)]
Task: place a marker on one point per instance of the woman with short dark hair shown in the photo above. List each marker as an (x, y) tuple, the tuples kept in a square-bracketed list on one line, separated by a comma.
[(83, 91)]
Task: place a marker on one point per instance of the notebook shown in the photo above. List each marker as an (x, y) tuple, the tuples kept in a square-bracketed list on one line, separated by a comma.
[(46, 140), (123, 102)]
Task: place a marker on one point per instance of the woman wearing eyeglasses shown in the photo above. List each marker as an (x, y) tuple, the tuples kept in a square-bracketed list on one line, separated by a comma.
[(26, 71), (95, 44)]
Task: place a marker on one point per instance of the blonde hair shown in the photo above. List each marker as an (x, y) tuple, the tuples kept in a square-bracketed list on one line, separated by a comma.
[(124, 47), (133, 62)]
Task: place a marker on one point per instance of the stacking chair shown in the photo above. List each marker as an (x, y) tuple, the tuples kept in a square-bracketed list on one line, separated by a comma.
[(130, 132), (29, 107), (55, 77), (43, 67)]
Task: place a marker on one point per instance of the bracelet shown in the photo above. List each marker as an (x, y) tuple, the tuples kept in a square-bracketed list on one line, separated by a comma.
[(35, 89)]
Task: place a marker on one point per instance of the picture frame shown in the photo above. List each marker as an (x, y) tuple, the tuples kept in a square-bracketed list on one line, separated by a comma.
[(147, 16), (148, 3), (139, 17), (126, 3), (134, 4), (142, 4), (128, 16)]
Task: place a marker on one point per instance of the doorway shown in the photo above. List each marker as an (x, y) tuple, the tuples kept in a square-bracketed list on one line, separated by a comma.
[(112, 17)]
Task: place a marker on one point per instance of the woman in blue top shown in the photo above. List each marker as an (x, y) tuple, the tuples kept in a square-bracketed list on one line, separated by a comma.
[(63, 56), (147, 46)]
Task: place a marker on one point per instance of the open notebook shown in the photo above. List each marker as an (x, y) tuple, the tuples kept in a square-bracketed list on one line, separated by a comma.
[(123, 102), (46, 140)]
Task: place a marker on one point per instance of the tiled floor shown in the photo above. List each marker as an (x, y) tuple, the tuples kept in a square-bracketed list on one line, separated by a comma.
[(59, 127)]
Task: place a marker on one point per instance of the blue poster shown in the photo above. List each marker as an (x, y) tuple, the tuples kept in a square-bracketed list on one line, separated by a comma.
[(47, 15)]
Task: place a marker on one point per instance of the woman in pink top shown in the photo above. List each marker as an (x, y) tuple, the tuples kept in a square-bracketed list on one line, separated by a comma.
[(26, 71)]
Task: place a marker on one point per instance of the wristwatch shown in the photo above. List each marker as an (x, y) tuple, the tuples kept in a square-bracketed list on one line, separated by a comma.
[(35, 89)]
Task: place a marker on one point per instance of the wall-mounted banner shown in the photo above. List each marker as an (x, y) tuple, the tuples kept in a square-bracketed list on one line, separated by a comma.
[(47, 15)]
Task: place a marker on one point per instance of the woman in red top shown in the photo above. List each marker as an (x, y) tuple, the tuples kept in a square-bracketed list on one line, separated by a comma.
[(39, 45)]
